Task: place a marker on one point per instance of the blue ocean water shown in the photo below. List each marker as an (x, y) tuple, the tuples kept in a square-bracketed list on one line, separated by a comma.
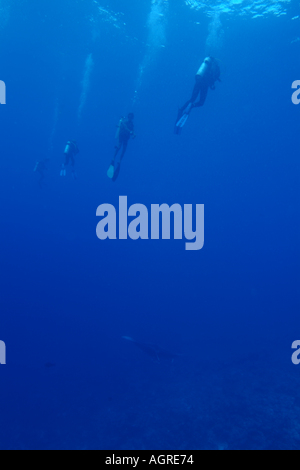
[(72, 69)]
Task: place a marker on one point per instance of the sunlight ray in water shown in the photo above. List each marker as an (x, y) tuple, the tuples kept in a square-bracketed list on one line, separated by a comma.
[(89, 64)]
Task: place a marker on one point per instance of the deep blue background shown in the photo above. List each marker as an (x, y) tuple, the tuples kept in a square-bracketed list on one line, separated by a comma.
[(67, 298)]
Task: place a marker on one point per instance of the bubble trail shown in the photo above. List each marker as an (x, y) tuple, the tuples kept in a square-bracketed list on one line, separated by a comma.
[(156, 23), (89, 65)]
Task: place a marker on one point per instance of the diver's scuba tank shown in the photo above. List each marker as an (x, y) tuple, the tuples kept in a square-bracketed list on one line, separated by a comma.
[(205, 67), (68, 148), (71, 147)]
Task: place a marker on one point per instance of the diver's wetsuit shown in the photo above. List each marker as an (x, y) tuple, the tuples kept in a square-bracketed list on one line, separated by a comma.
[(201, 88), (125, 131)]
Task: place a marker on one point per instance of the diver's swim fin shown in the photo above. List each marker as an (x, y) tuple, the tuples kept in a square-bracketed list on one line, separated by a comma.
[(111, 171), (117, 172), (183, 118), (182, 121)]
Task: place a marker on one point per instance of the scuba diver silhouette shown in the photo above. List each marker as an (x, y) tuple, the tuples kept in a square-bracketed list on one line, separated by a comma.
[(40, 168), (124, 132), (206, 78), (71, 151)]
